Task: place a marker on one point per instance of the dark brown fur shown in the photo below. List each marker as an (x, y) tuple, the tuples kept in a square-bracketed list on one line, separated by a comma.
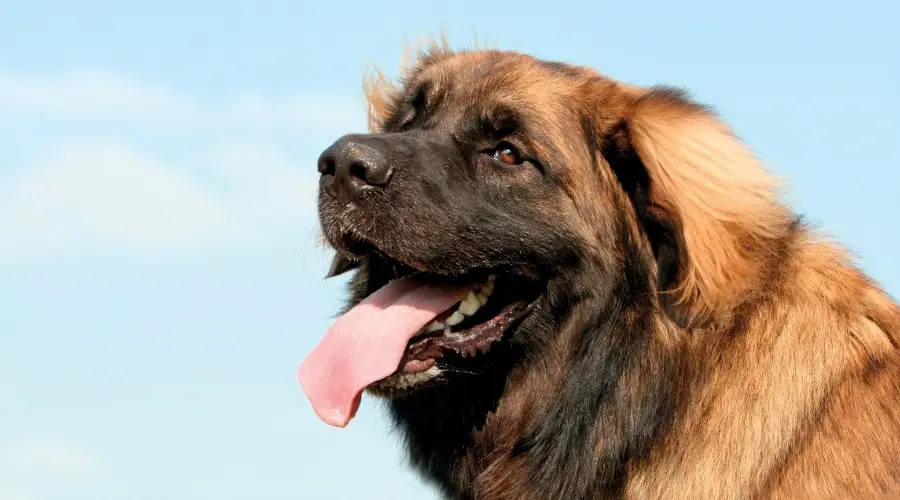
[(696, 340)]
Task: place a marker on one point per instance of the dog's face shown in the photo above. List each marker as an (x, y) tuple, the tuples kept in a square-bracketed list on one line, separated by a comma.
[(533, 183), (487, 163), (475, 169)]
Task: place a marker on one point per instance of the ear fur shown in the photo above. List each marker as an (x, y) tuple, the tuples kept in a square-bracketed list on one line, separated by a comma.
[(720, 196)]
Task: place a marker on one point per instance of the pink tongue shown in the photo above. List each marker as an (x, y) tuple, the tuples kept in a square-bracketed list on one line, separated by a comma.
[(367, 343)]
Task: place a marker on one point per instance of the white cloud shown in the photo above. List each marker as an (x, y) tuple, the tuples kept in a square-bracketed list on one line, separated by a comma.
[(14, 495), (87, 94), (49, 460), (107, 195), (110, 196), (52, 459), (90, 95), (104, 161), (37, 469)]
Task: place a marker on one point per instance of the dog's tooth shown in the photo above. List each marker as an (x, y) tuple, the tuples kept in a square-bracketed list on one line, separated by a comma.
[(489, 288), (468, 308), (470, 305), (492, 277), (482, 298), (455, 318), (434, 326)]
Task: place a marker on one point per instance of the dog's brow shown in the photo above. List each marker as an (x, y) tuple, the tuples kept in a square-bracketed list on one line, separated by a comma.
[(499, 120)]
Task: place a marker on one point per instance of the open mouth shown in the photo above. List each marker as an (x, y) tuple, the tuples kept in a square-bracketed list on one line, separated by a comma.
[(410, 331), (492, 306), (457, 339)]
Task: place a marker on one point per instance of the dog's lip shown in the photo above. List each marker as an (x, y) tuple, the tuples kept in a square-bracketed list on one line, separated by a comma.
[(353, 246)]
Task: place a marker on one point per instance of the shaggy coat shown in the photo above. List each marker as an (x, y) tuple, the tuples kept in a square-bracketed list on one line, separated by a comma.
[(694, 339)]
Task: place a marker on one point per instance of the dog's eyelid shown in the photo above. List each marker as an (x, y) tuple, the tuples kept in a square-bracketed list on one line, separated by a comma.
[(521, 157)]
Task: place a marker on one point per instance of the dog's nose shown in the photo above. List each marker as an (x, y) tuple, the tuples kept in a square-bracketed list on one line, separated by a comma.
[(353, 165)]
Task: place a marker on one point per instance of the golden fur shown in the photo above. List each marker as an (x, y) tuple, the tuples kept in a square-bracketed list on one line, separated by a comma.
[(791, 356)]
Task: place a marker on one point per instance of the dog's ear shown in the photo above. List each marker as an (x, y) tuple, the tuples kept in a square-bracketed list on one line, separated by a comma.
[(340, 264), (709, 204), (661, 226)]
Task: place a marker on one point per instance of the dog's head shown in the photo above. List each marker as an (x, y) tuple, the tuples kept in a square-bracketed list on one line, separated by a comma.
[(537, 184)]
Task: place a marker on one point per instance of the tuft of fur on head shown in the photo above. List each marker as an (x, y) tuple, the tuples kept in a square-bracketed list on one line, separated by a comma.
[(382, 93)]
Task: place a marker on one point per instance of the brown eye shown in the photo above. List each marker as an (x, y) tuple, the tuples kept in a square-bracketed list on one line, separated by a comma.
[(507, 154)]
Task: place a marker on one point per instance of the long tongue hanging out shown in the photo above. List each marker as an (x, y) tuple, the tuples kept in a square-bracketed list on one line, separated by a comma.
[(367, 343)]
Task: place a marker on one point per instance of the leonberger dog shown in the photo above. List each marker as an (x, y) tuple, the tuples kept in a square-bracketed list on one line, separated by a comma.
[(568, 287)]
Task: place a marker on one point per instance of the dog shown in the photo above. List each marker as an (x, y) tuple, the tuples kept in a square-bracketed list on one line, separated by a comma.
[(569, 287)]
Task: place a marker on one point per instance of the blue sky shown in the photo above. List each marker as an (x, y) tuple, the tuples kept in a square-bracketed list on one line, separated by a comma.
[(160, 277)]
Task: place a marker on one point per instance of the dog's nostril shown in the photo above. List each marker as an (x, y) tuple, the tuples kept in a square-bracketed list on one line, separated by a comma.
[(327, 167), (359, 171)]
